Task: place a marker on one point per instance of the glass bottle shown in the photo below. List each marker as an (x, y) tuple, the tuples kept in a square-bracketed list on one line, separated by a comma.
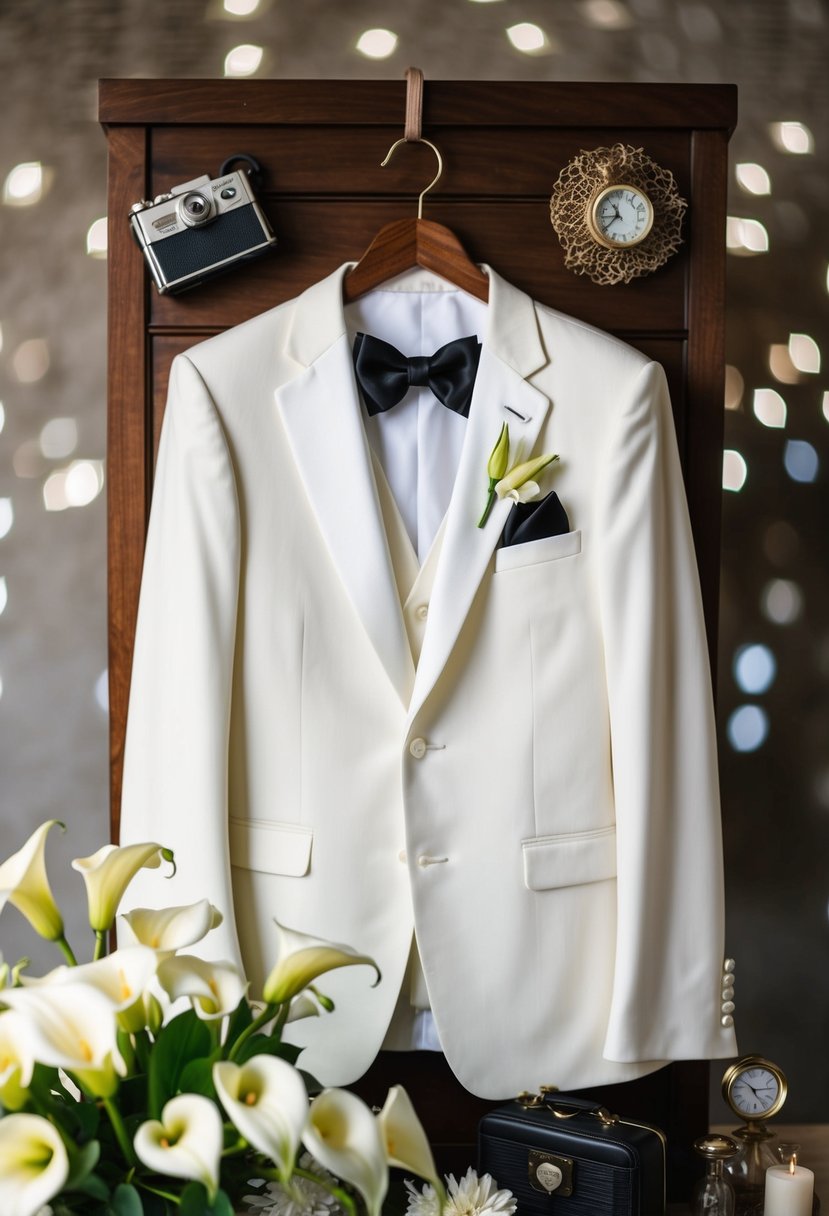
[(713, 1195), (747, 1168)]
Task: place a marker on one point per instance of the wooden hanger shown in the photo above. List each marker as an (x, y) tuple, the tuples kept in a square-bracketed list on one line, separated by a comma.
[(401, 245)]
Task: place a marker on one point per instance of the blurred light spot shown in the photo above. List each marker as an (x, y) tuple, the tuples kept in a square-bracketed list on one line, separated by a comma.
[(821, 787), (28, 459), (3, 416), (96, 238), (24, 185), (782, 601), (781, 543), (800, 460), (807, 12), (377, 44), (699, 22), (804, 352), (6, 516), (75, 486), (59, 438), (747, 728), (528, 38), (745, 237), (754, 668), (769, 407), (4, 595), (826, 406), (102, 691), (243, 60), (753, 178), (607, 14), (792, 137), (734, 386), (781, 366), (31, 360), (241, 8), (734, 470)]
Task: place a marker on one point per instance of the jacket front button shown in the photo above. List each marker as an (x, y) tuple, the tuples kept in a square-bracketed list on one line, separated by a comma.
[(417, 748), (401, 856), (422, 611)]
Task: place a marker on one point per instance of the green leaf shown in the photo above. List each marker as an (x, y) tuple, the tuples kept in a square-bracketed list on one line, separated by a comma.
[(184, 1039), (125, 1201), (93, 1186), (82, 1161), (267, 1045), (194, 1202), (197, 1078)]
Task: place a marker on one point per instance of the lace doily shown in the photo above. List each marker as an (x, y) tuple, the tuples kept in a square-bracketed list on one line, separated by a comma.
[(581, 180)]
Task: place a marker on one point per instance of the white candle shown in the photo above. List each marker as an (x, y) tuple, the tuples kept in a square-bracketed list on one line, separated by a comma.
[(789, 1191)]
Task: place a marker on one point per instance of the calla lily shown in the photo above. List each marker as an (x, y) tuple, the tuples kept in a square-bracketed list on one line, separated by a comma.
[(346, 1139), (267, 1102), (496, 467), (302, 1006), (171, 929), (521, 474), (24, 883), (108, 872), (71, 1026), (34, 1164), (122, 977), (405, 1140), (186, 1142), (302, 959), (16, 1060), (214, 988)]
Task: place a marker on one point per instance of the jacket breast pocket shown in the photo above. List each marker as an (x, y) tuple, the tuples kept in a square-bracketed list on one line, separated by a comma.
[(271, 847), (569, 860), (535, 552)]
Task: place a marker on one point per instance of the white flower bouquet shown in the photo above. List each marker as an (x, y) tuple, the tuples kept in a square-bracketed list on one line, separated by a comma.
[(116, 1101)]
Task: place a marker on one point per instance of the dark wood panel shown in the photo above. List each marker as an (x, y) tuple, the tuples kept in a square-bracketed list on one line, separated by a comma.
[(516, 238), (352, 103), (483, 161)]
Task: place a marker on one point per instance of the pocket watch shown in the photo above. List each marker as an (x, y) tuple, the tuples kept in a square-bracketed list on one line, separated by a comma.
[(620, 216), (754, 1088)]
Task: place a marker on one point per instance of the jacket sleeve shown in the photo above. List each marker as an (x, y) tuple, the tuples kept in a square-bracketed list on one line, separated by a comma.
[(667, 1001), (176, 752)]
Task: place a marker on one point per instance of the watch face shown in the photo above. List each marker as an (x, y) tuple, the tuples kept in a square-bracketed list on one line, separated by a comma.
[(621, 216), (755, 1091)]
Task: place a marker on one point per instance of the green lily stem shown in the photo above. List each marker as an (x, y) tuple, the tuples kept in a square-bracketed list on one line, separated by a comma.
[(493, 481), (342, 1196), (120, 1130), (154, 1190), (141, 1042), (267, 1014), (66, 950), (100, 944)]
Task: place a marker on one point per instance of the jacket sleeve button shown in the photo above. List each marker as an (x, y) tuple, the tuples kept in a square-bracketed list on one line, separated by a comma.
[(417, 748)]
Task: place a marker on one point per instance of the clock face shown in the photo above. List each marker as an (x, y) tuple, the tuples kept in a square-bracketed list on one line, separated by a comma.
[(755, 1091), (621, 216)]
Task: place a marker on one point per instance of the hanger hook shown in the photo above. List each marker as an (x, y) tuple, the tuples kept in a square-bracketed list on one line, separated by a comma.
[(437, 176)]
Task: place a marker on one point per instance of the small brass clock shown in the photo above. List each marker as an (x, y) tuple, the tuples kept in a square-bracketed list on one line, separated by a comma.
[(754, 1088), (620, 216)]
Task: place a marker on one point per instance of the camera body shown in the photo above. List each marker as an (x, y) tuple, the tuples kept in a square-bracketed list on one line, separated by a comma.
[(199, 229)]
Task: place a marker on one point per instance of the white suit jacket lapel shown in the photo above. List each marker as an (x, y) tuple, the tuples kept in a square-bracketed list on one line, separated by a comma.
[(511, 351), (321, 413)]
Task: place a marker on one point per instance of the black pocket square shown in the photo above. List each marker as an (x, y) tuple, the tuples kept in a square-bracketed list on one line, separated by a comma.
[(535, 520)]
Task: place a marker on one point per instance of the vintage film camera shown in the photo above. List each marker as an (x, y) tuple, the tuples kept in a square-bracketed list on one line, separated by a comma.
[(203, 227)]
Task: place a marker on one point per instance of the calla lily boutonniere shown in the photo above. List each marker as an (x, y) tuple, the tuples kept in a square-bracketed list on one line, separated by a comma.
[(517, 483)]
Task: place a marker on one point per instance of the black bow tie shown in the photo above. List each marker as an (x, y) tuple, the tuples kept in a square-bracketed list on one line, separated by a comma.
[(385, 376)]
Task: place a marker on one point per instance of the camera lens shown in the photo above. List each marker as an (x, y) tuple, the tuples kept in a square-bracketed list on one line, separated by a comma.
[(194, 209)]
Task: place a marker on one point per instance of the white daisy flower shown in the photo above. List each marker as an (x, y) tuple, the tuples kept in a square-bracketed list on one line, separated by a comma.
[(306, 1198), (472, 1196)]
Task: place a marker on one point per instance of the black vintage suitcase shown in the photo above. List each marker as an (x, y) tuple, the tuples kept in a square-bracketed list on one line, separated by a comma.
[(563, 1156)]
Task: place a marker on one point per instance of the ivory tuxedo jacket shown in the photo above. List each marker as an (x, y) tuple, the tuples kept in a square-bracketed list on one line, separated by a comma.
[(505, 751)]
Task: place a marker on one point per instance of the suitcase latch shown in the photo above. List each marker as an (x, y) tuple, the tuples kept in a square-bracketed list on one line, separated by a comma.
[(550, 1173)]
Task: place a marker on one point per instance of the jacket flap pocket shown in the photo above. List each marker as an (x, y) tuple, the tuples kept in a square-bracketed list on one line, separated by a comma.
[(273, 848), (568, 861), (534, 552)]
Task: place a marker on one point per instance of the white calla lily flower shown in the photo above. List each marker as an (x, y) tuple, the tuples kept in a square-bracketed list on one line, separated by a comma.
[(520, 474), (123, 977), (109, 871), (16, 1060), (524, 493), (267, 1102), (186, 1142), (34, 1164), (404, 1139), (169, 929), (24, 883), (302, 1006), (302, 959), (213, 988), (344, 1136), (72, 1026)]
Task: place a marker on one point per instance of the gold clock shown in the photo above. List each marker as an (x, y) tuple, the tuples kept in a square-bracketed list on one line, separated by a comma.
[(620, 216), (754, 1088)]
